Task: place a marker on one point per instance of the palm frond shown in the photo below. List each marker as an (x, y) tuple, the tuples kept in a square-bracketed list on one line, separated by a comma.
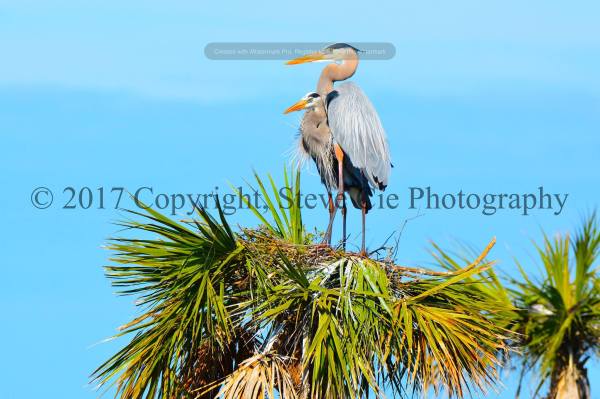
[(264, 375), (186, 279), (284, 206), (450, 330)]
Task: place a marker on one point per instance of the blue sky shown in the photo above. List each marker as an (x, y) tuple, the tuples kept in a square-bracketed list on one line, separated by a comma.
[(487, 98)]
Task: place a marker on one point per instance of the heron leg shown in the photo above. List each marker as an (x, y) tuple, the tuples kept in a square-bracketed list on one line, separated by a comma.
[(341, 199), (327, 238), (344, 210), (363, 206)]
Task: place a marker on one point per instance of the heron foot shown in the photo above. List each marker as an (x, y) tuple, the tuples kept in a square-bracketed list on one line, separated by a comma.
[(326, 239), (322, 246)]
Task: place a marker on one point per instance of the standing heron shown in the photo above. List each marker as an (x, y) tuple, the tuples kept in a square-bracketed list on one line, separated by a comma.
[(357, 143), (316, 142)]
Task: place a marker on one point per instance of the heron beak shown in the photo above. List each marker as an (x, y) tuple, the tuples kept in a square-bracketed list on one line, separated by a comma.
[(318, 56), (300, 105)]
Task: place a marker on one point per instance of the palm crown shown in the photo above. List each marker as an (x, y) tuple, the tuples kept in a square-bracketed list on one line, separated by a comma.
[(265, 313), (560, 316)]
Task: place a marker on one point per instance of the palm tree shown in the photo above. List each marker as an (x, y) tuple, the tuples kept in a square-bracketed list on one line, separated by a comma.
[(265, 313), (560, 315)]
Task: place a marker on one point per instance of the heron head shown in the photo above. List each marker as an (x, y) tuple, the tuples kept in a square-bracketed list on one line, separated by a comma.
[(309, 101), (334, 52)]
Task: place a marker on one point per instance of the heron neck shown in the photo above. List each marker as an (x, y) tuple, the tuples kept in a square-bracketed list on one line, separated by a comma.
[(335, 73)]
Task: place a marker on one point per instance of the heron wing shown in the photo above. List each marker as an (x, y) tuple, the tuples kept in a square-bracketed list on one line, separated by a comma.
[(356, 127)]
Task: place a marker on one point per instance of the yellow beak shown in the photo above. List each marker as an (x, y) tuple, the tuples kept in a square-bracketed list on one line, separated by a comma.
[(300, 105), (318, 56)]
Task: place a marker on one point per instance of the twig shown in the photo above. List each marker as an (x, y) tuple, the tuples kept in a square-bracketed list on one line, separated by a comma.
[(417, 270)]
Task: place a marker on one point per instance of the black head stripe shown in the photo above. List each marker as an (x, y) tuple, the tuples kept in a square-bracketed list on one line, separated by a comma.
[(336, 46)]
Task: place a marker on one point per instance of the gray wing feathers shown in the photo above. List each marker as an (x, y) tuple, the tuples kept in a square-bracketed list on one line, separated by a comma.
[(356, 127)]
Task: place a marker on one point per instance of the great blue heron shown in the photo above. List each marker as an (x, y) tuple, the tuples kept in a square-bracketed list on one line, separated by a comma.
[(357, 143), (316, 141)]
